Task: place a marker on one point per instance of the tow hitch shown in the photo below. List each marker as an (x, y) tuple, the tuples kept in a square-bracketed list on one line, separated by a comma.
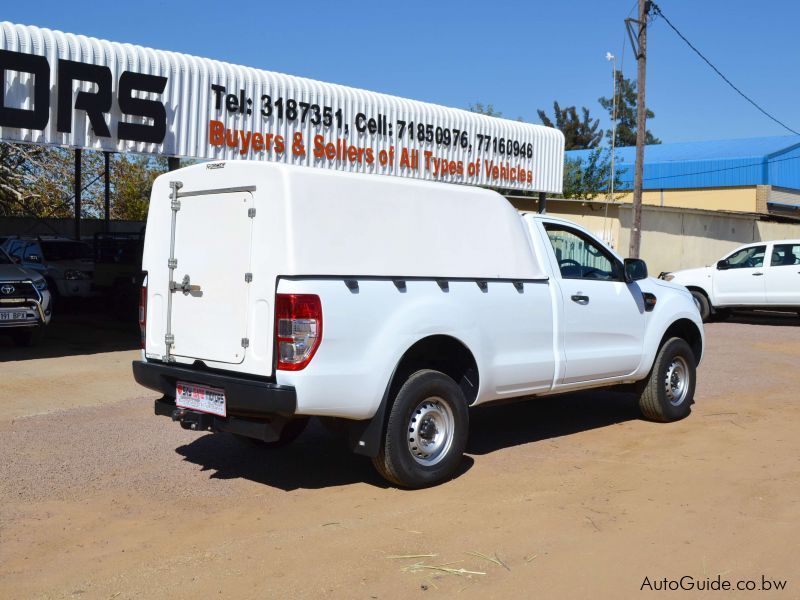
[(267, 429), (193, 420)]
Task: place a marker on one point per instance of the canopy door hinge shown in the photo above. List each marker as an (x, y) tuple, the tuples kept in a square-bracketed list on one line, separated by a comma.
[(172, 263)]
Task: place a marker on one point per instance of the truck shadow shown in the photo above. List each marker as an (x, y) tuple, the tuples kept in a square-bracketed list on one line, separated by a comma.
[(76, 333), (318, 459), (503, 426), (763, 317)]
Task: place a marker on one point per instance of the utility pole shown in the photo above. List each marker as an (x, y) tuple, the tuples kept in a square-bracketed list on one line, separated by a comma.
[(640, 48)]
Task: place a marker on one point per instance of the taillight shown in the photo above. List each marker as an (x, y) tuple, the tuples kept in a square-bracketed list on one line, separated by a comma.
[(143, 310), (298, 329)]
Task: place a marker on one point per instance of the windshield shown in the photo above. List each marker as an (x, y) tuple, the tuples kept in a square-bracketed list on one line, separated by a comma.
[(66, 250), (4, 258)]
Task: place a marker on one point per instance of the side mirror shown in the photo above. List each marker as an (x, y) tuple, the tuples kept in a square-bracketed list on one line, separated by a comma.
[(16, 259), (635, 269), (723, 265)]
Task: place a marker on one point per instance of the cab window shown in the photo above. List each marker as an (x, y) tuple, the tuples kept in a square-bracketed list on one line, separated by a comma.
[(747, 258), (580, 257), (785, 255)]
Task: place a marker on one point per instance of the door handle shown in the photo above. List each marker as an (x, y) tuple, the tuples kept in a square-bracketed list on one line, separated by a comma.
[(756, 274), (184, 286), (580, 299)]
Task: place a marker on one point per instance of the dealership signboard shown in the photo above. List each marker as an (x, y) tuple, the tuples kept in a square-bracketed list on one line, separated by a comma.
[(81, 92)]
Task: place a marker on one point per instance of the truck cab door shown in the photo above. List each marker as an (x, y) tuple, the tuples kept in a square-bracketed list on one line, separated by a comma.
[(739, 278), (782, 276), (603, 318)]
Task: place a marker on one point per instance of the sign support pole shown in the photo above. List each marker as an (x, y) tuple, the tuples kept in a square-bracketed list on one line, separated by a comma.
[(107, 212), (78, 193)]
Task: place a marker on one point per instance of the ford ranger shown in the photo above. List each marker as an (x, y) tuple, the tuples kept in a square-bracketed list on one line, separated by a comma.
[(274, 293)]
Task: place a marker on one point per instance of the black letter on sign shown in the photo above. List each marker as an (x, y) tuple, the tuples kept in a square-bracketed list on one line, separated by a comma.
[(37, 117), (96, 104), (138, 107)]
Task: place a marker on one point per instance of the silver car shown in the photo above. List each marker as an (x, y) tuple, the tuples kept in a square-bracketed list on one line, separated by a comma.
[(25, 308)]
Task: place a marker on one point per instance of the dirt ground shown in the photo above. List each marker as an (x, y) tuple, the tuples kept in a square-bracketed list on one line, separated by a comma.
[(576, 497)]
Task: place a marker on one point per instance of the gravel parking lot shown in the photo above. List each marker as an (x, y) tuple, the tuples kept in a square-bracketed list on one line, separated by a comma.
[(569, 497)]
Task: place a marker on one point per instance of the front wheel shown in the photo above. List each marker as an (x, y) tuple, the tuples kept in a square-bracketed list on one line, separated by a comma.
[(669, 392), (427, 431)]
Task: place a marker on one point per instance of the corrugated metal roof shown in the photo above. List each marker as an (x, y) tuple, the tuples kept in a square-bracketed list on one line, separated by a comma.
[(718, 163)]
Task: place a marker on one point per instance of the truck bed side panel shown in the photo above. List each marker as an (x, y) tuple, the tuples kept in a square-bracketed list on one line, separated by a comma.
[(366, 332)]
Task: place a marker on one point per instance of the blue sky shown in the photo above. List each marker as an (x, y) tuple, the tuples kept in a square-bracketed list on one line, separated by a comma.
[(519, 56)]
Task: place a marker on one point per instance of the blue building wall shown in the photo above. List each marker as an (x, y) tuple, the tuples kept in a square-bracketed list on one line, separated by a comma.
[(726, 163), (783, 170)]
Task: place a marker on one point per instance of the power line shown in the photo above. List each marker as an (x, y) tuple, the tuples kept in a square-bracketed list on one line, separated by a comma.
[(657, 10)]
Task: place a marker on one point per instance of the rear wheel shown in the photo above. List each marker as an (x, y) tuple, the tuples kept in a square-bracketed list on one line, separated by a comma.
[(703, 305), (427, 431), (669, 392), (290, 432)]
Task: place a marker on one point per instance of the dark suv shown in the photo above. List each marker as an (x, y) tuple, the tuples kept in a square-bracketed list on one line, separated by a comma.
[(24, 302)]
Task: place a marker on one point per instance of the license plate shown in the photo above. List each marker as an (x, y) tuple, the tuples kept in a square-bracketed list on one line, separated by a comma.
[(12, 316), (201, 398)]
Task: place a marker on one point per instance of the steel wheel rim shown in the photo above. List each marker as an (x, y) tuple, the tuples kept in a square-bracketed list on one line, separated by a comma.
[(676, 381), (430, 431)]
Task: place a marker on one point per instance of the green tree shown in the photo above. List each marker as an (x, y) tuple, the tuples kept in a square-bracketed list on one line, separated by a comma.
[(586, 179), (132, 176), (626, 113), (579, 133), (488, 110), (14, 178), (485, 109), (38, 181)]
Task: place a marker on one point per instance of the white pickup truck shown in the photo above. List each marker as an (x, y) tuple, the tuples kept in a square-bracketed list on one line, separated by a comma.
[(274, 293), (760, 275)]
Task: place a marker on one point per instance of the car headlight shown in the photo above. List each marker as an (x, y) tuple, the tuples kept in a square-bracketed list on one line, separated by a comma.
[(40, 284), (74, 274)]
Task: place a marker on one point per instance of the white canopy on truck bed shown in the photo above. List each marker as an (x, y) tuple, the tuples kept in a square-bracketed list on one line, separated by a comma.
[(317, 222)]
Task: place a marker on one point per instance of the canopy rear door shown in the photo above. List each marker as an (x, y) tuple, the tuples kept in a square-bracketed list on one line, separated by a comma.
[(213, 236)]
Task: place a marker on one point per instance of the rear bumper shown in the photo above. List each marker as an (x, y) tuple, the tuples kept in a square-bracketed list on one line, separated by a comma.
[(243, 397)]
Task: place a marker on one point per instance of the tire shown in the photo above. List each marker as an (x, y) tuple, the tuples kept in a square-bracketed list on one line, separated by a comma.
[(27, 337), (426, 433), (703, 305), (668, 394), (291, 431)]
